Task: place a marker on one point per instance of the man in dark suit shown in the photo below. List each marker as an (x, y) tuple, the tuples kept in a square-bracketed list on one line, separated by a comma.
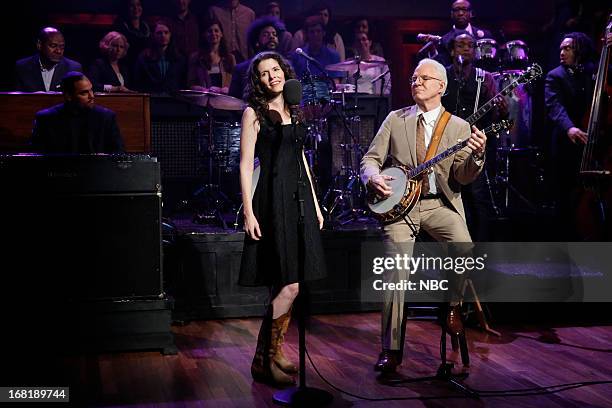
[(461, 16), (77, 125), (262, 35), (568, 92), (465, 84), (43, 72)]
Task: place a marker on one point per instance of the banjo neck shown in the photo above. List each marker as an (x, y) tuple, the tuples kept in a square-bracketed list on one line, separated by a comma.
[(494, 128)]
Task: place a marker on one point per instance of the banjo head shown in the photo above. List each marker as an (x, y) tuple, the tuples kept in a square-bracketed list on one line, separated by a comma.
[(398, 186)]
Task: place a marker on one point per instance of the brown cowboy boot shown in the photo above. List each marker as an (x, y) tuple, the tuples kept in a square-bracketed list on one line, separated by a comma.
[(263, 369), (279, 358)]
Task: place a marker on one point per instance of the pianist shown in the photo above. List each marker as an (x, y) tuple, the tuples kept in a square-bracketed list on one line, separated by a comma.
[(77, 125)]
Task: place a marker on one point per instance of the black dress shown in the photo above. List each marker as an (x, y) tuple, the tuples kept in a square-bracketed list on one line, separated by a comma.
[(273, 260)]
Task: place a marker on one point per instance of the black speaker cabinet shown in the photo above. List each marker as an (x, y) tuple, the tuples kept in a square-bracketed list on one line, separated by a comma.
[(82, 228)]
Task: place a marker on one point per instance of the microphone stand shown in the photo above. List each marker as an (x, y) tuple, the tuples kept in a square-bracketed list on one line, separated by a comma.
[(301, 396)]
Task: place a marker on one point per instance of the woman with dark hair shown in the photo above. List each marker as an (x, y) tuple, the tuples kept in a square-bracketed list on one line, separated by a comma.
[(210, 68), (111, 73), (273, 242), (160, 68), (362, 25), (130, 23)]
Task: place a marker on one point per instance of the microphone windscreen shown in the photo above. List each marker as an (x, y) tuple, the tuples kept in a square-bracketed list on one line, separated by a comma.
[(292, 92)]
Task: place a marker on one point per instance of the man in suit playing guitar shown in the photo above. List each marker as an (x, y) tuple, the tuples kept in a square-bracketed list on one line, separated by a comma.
[(405, 135)]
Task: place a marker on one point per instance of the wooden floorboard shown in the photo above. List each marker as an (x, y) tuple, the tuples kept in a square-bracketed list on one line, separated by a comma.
[(212, 368)]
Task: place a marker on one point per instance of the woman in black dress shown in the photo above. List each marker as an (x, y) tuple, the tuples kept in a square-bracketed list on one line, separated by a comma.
[(273, 245)]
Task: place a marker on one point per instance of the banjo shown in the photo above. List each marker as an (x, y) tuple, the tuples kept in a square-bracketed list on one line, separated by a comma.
[(406, 183), (406, 189)]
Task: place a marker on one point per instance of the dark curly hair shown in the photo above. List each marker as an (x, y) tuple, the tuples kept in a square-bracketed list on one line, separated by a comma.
[(254, 93), (583, 47)]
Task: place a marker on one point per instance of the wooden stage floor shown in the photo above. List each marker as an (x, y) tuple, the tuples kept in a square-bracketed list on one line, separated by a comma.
[(212, 366)]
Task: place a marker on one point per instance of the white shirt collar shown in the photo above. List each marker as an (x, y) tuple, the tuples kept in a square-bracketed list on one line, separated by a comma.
[(468, 28), (429, 116)]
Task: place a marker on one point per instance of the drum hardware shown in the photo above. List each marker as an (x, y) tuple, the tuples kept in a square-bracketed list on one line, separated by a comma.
[(506, 186), (220, 148), (343, 201)]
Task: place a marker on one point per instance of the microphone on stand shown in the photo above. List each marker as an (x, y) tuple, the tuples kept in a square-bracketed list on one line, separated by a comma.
[(425, 38), (432, 41), (301, 52), (292, 93)]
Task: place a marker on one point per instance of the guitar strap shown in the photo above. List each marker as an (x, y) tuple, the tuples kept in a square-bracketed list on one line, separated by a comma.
[(437, 135)]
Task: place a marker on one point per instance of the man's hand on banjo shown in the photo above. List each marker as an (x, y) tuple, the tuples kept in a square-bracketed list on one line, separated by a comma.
[(378, 183)]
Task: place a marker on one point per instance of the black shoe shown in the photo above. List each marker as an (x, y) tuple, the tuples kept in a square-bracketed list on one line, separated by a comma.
[(388, 360)]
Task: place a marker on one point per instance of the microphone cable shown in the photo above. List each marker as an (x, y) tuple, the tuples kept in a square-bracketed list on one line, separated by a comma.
[(519, 392)]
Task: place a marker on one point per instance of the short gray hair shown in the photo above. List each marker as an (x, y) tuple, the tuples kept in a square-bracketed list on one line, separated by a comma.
[(439, 69)]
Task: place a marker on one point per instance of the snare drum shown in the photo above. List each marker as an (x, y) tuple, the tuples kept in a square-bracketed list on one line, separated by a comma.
[(225, 147), (316, 97), (516, 56), (485, 54)]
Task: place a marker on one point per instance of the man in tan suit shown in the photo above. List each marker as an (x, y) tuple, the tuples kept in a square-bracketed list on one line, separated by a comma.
[(405, 135)]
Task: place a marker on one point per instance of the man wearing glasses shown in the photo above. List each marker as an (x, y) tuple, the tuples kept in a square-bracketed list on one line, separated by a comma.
[(461, 17), (405, 136)]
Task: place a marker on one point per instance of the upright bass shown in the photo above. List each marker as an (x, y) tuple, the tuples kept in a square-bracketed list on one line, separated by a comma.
[(593, 211)]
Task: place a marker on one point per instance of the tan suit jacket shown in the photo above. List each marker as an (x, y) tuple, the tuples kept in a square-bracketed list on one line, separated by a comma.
[(397, 138)]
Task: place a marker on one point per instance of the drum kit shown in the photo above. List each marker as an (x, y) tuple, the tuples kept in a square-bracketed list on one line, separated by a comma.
[(344, 198), (218, 143), (506, 63)]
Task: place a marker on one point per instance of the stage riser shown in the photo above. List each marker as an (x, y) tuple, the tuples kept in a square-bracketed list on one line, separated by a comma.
[(202, 273)]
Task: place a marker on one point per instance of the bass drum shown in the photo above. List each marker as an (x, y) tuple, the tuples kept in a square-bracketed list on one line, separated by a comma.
[(224, 146), (520, 109)]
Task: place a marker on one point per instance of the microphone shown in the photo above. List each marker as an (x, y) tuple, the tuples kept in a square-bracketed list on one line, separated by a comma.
[(461, 60), (292, 93), (301, 52), (424, 38)]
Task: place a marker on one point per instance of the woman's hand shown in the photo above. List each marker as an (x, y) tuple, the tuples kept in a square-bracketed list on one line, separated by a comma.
[(251, 227), (320, 218)]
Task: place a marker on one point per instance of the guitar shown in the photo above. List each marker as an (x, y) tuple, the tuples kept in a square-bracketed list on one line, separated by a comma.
[(406, 183)]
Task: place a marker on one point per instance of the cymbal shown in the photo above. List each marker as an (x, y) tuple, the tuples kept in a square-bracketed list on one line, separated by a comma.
[(351, 65), (211, 99)]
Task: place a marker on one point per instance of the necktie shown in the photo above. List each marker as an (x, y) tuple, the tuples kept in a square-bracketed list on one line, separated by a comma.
[(421, 151)]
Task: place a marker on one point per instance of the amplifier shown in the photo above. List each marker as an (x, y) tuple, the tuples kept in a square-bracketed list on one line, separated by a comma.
[(81, 227), (82, 174), (364, 121)]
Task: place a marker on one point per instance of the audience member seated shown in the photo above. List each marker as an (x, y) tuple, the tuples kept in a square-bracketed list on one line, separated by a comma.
[(77, 125), (262, 36), (361, 25), (185, 28), (110, 73), (43, 71), (273, 9), (235, 19), (333, 39), (210, 68), (135, 29), (315, 47), (160, 68), (363, 46)]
